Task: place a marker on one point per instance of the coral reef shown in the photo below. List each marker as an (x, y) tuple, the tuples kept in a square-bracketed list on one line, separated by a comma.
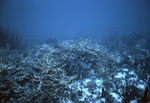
[(73, 71)]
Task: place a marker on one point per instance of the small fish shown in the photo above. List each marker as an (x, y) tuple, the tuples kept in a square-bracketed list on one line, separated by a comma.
[(73, 77), (64, 82)]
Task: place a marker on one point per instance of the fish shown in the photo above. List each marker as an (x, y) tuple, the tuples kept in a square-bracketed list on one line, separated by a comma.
[(63, 82), (72, 77)]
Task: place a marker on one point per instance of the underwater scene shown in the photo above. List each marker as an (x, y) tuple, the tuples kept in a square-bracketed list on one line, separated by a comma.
[(77, 58), (115, 70)]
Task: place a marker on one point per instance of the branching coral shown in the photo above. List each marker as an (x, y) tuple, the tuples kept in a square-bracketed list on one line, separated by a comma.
[(48, 73)]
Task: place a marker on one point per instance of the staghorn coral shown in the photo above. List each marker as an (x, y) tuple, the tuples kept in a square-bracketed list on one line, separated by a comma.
[(62, 73)]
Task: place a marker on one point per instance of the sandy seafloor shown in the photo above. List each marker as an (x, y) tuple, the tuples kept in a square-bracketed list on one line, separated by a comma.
[(74, 71)]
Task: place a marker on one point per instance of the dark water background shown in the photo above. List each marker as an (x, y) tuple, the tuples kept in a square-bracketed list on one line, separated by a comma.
[(67, 19)]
